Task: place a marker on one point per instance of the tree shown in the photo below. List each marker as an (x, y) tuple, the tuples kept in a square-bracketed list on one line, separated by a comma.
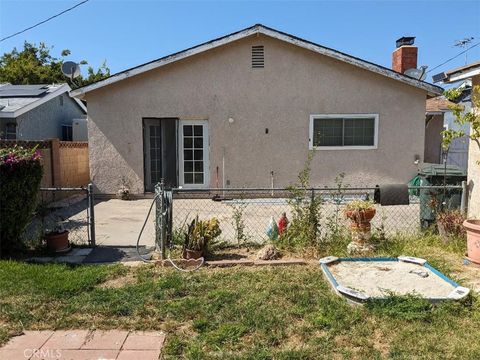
[(35, 65)]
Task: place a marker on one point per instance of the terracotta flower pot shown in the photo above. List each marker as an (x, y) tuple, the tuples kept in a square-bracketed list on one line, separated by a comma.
[(361, 216), (473, 240), (192, 254), (57, 242)]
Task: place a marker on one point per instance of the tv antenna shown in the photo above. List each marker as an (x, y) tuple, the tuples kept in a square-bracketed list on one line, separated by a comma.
[(71, 70), (464, 43)]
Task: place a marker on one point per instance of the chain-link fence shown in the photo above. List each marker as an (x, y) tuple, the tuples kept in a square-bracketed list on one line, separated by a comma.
[(60, 209), (245, 214)]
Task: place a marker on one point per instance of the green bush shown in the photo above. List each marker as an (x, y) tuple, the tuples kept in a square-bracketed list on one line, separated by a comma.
[(20, 175)]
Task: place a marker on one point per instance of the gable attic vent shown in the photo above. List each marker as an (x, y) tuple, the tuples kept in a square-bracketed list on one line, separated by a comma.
[(258, 57)]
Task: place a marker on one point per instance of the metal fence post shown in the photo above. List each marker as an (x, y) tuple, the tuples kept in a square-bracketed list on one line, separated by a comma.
[(464, 199), (160, 219), (91, 220)]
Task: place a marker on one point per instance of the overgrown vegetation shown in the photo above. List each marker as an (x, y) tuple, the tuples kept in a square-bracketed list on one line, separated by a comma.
[(20, 176), (238, 222), (304, 229)]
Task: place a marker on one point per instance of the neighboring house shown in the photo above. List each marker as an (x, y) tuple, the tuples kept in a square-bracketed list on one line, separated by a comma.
[(469, 72), (235, 110), (458, 152), (434, 125), (39, 112), (439, 117)]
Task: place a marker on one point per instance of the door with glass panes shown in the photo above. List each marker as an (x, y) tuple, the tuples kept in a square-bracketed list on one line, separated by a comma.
[(193, 153), (160, 151)]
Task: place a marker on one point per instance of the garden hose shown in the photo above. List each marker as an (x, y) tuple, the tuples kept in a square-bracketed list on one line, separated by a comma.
[(166, 213)]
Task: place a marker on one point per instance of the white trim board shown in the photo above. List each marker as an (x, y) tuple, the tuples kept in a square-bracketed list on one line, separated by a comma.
[(431, 89), (345, 116)]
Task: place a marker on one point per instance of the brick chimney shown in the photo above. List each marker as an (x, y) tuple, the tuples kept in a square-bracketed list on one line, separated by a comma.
[(405, 55)]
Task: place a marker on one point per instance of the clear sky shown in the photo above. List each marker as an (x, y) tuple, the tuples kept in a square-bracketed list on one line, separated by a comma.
[(129, 33)]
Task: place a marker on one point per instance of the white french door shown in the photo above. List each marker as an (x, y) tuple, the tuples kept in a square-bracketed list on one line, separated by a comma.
[(193, 154)]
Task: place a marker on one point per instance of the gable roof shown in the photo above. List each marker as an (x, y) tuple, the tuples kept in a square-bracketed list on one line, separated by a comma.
[(431, 89), (16, 100)]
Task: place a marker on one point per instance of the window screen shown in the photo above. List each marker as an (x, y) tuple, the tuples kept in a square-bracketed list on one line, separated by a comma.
[(344, 131)]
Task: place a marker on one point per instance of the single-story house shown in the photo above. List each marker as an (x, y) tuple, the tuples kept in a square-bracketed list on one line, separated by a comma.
[(244, 110), (39, 112)]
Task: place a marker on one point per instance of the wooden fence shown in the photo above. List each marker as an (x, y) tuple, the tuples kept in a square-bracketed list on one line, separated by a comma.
[(65, 163)]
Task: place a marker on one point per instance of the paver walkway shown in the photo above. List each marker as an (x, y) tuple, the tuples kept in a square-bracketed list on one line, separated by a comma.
[(84, 345)]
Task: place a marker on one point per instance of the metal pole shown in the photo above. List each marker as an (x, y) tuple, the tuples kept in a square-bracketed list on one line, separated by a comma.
[(160, 219), (464, 199), (91, 220)]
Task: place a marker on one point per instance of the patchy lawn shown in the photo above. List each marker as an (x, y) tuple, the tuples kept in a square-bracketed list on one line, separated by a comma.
[(243, 313)]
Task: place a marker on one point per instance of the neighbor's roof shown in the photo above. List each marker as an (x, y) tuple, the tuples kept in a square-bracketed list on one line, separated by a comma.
[(260, 29), (16, 100), (438, 105), (458, 74)]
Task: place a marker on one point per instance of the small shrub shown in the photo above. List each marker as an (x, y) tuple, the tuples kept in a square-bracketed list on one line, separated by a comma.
[(238, 222), (335, 230), (20, 176), (304, 227), (200, 233), (450, 223)]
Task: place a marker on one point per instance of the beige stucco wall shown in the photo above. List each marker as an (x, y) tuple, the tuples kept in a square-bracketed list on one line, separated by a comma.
[(294, 84), (474, 170)]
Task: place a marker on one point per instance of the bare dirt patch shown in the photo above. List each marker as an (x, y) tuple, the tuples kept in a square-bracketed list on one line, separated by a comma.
[(119, 282)]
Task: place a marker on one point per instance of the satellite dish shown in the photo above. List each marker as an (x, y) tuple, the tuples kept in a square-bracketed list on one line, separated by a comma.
[(70, 69), (418, 74)]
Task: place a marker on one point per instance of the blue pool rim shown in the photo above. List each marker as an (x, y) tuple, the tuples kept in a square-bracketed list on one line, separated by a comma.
[(333, 282)]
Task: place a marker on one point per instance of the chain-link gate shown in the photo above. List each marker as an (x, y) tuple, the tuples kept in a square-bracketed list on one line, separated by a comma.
[(71, 209)]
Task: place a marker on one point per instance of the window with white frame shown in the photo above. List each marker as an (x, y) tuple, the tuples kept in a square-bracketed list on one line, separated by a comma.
[(343, 131)]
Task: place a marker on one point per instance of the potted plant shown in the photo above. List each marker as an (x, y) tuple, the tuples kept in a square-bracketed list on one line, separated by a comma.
[(450, 223), (123, 192), (57, 238), (360, 213), (199, 234), (472, 227)]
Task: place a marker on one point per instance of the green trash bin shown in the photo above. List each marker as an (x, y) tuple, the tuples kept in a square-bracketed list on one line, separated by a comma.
[(434, 200)]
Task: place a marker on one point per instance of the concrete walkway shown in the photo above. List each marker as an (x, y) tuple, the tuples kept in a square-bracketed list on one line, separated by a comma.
[(84, 345)]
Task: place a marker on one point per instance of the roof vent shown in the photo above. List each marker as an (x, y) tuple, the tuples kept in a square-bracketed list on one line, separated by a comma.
[(258, 56)]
